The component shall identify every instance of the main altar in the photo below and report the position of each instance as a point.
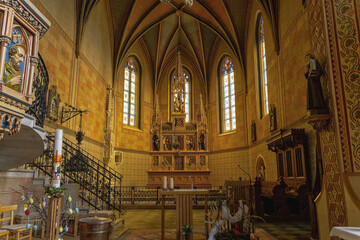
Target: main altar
(179, 149)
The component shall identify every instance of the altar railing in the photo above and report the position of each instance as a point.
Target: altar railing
(143, 195)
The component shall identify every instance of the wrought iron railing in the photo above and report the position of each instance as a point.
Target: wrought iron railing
(40, 87)
(141, 195)
(100, 185)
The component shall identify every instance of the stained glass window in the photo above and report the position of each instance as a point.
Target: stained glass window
(263, 83)
(228, 95)
(130, 93)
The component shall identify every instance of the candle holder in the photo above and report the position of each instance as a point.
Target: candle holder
(171, 188)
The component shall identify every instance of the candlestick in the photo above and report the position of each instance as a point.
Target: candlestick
(164, 182)
(171, 183)
(56, 178)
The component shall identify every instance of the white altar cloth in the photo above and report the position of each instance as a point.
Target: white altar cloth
(347, 233)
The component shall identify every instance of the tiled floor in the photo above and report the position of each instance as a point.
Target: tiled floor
(151, 219)
(288, 230)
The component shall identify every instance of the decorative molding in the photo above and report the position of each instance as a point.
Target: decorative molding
(9, 123)
(34, 61)
(5, 39)
(27, 15)
(13, 102)
(319, 122)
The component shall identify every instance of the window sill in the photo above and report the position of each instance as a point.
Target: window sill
(226, 133)
(132, 128)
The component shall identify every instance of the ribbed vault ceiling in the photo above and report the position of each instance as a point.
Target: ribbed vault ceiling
(167, 27)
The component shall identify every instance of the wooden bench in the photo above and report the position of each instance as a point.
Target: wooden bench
(16, 231)
(280, 198)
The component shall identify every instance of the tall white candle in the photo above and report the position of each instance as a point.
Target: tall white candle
(171, 183)
(164, 182)
(57, 158)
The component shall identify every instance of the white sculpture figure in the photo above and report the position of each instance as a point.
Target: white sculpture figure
(215, 229)
(243, 210)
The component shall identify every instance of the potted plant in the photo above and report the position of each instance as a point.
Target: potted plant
(187, 230)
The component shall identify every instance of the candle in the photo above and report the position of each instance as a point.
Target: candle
(57, 158)
(171, 183)
(164, 182)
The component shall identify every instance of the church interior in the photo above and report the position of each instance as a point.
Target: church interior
(179, 119)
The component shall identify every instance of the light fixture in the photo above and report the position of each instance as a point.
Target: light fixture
(187, 2)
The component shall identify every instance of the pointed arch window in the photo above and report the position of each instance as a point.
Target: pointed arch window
(227, 96)
(131, 93)
(262, 69)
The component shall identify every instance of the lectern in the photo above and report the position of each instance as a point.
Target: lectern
(184, 209)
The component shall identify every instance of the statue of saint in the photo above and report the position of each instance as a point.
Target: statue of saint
(156, 142)
(315, 98)
(202, 141)
(12, 74)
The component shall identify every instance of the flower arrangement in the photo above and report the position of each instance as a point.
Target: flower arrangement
(54, 192)
(186, 230)
(225, 226)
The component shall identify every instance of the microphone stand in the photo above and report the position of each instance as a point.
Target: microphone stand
(250, 192)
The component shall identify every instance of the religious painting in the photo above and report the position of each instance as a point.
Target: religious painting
(15, 60)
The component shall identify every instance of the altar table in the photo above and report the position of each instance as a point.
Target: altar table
(346, 233)
(184, 209)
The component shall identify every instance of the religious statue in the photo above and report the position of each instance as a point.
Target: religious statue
(178, 104)
(190, 143)
(156, 142)
(315, 98)
(272, 118)
(261, 169)
(202, 142)
(53, 103)
(13, 73)
(167, 143)
(253, 131)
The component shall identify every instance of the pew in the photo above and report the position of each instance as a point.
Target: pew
(281, 198)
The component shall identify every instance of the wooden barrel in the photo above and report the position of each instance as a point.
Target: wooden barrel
(94, 228)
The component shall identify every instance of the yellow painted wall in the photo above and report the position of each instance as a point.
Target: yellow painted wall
(84, 77)
(127, 137)
(286, 90)
(225, 141)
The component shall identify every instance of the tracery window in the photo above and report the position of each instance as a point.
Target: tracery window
(227, 96)
(262, 70)
(131, 92)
